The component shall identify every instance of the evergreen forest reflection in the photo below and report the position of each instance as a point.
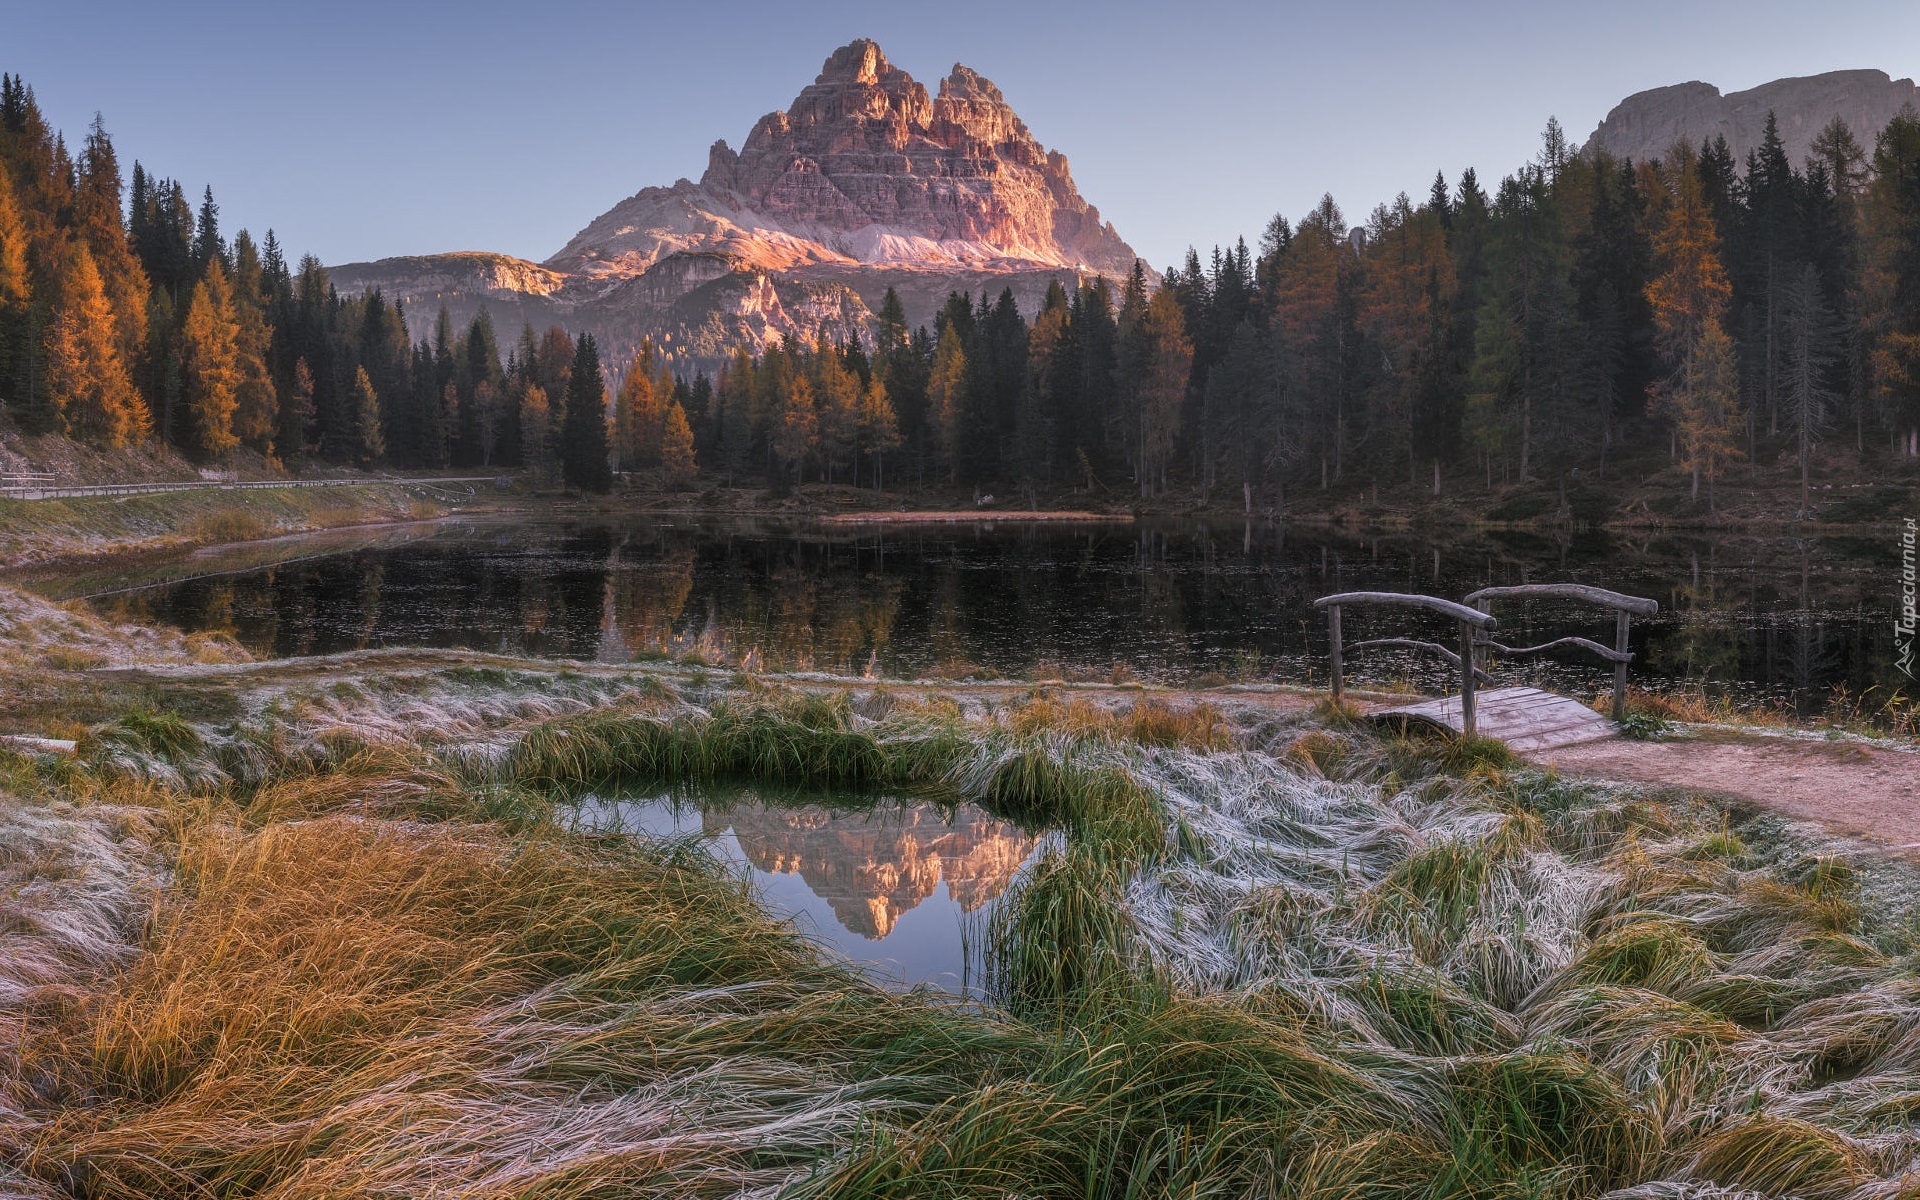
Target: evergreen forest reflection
(1765, 619)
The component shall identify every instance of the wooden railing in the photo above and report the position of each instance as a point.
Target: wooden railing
(22, 481)
(1624, 609)
(1473, 622)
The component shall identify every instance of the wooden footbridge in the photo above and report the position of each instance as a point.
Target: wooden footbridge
(1523, 717)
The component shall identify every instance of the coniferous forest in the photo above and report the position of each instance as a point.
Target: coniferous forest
(1698, 312)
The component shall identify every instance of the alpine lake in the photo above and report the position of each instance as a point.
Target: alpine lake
(905, 886)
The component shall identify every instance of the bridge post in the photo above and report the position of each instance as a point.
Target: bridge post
(1333, 637)
(1620, 619)
(1467, 652)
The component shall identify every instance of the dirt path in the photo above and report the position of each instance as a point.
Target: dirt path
(1852, 789)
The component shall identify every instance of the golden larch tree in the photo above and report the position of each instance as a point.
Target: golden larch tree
(255, 402)
(210, 363)
(947, 397)
(88, 387)
(640, 410)
(879, 427)
(677, 463)
(796, 423)
(1169, 364)
(836, 391)
(1689, 299)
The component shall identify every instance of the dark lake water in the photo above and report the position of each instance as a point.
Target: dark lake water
(1767, 618)
(904, 889)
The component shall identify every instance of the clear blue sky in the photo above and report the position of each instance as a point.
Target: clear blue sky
(361, 130)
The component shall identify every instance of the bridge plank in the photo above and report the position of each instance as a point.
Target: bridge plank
(1525, 718)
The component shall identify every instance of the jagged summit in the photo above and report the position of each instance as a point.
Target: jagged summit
(865, 181)
(865, 167)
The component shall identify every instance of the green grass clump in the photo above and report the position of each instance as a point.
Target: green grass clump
(1643, 726)
(1063, 935)
(1780, 1156)
(805, 740)
(1645, 950)
(165, 734)
(1545, 1114)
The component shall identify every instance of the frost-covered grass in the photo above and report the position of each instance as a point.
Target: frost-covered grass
(35, 531)
(338, 944)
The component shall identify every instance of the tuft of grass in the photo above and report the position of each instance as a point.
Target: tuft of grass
(1779, 1156)
(225, 525)
(1642, 726)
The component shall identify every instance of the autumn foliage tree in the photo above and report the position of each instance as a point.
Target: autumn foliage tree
(210, 360)
(90, 393)
(1689, 300)
(364, 402)
(677, 463)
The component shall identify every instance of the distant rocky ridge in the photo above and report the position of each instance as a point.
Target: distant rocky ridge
(865, 182)
(1646, 124)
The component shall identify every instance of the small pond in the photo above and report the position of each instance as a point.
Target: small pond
(904, 889)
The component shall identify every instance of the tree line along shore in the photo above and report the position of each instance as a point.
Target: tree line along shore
(1585, 322)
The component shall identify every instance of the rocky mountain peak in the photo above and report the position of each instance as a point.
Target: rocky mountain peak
(965, 83)
(864, 182)
(859, 61)
(1646, 124)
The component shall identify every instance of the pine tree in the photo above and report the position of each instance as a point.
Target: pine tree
(1835, 148)
(295, 418)
(891, 325)
(208, 246)
(1169, 365)
(430, 420)
(209, 357)
(1810, 352)
(88, 389)
(583, 447)
(1890, 290)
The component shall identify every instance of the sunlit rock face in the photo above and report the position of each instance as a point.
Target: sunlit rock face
(866, 168)
(871, 868)
(1646, 124)
(866, 181)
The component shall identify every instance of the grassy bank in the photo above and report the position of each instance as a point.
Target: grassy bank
(40, 531)
(329, 933)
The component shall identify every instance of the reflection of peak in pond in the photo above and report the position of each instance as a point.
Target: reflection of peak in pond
(870, 867)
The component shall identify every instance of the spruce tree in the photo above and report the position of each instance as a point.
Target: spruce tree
(208, 245)
(583, 447)
(295, 417)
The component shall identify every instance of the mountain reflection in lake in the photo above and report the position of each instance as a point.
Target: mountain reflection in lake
(1766, 618)
(902, 888)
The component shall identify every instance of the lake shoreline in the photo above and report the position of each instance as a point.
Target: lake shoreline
(322, 845)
